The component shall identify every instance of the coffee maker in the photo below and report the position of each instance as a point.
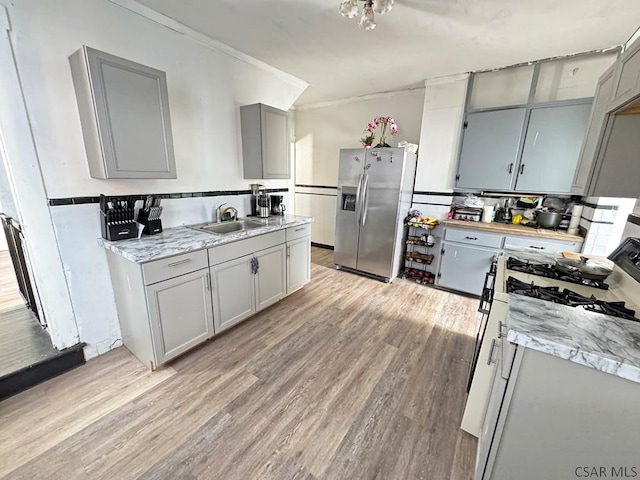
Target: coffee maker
(277, 207)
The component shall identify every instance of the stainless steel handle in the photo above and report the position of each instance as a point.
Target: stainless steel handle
(181, 262)
(358, 198)
(511, 167)
(207, 280)
(365, 198)
(288, 251)
(471, 238)
(502, 327)
(493, 346)
(299, 229)
(536, 248)
(521, 169)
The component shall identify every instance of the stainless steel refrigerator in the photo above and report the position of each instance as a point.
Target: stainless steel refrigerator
(375, 186)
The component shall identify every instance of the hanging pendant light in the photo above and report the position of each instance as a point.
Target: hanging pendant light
(367, 19)
(349, 9)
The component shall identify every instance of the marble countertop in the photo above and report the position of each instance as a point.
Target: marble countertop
(608, 344)
(510, 229)
(176, 240)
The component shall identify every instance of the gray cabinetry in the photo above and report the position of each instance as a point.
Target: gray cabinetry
(298, 263)
(180, 313)
(551, 148)
(233, 292)
(271, 276)
(265, 142)
(592, 138)
(627, 78)
(124, 112)
(463, 267)
(490, 146)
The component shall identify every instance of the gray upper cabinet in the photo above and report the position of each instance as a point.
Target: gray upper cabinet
(626, 78)
(124, 111)
(489, 154)
(594, 133)
(265, 142)
(551, 148)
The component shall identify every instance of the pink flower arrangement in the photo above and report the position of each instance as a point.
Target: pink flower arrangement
(370, 132)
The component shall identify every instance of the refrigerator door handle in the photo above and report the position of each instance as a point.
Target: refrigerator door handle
(358, 199)
(365, 198)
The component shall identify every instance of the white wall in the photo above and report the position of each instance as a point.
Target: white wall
(206, 88)
(322, 130)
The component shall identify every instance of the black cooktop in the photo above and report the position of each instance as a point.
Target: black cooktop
(550, 271)
(570, 298)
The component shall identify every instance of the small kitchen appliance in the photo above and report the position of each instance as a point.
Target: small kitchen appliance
(277, 207)
(503, 214)
(264, 205)
(467, 213)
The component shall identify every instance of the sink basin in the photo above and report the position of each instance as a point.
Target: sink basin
(227, 228)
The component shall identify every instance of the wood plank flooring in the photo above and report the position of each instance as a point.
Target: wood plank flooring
(10, 297)
(348, 378)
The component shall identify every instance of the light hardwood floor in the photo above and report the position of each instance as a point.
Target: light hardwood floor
(347, 378)
(10, 297)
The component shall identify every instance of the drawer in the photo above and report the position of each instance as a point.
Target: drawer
(247, 246)
(473, 237)
(542, 244)
(298, 232)
(170, 267)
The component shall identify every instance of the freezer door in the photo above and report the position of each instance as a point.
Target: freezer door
(350, 177)
(380, 210)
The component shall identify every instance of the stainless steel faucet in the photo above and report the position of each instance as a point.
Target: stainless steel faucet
(219, 213)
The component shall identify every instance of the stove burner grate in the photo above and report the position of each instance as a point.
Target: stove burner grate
(570, 298)
(550, 271)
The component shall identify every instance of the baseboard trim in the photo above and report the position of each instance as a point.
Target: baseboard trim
(32, 375)
(322, 245)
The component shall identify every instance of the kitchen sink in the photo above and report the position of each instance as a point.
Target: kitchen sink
(227, 228)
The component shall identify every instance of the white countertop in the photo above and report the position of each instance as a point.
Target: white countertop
(603, 342)
(176, 240)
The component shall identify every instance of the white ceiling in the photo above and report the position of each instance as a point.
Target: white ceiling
(418, 39)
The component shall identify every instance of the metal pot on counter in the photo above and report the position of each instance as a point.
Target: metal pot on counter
(548, 218)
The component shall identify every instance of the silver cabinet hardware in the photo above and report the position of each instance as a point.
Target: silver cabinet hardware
(493, 346)
(181, 262)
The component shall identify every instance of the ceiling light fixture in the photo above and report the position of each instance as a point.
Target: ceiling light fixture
(349, 9)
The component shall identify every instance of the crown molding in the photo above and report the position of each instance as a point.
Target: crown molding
(206, 41)
(430, 82)
(362, 98)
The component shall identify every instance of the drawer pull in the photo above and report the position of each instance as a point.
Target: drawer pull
(493, 346)
(471, 238)
(181, 262)
(536, 248)
(299, 229)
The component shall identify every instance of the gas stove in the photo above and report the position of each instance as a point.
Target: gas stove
(549, 270)
(564, 296)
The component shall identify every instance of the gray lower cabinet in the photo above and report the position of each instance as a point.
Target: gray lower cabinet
(271, 277)
(265, 142)
(180, 314)
(298, 263)
(489, 155)
(124, 113)
(463, 267)
(552, 148)
(233, 292)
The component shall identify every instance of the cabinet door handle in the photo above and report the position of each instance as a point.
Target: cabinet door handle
(207, 280)
(536, 248)
(181, 262)
(521, 169)
(493, 345)
(511, 167)
(471, 238)
(502, 327)
(288, 251)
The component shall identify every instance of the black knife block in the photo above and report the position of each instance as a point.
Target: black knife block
(151, 227)
(118, 230)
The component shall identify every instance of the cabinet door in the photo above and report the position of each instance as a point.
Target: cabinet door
(626, 77)
(271, 277)
(233, 292)
(298, 263)
(463, 268)
(490, 146)
(181, 314)
(275, 143)
(131, 117)
(593, 136)
(551, 148)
